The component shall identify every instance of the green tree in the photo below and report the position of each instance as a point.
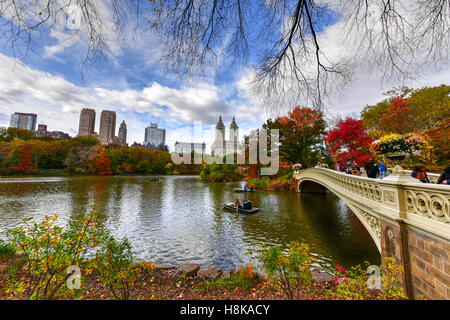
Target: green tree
(301, 134)
(429, 106)
(9, 134)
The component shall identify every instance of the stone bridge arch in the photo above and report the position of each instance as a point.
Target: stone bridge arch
(407, 221)
(370, 221)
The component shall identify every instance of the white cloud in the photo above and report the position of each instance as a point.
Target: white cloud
(58, 103)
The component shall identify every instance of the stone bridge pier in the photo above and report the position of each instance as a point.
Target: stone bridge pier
(407, 221)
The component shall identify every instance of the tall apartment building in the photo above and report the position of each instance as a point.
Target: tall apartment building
(155, 136)
(123, 134)
(87, 122)
(25, 121)
(107, 127)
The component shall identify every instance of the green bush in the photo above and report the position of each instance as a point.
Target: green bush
(353, 284)
(289, 272)
(7, 250)
(244, 279)
(114, 263)
(49, 251)
(220, 173)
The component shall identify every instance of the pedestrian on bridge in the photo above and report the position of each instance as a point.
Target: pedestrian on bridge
(445, 177)
(371, 169)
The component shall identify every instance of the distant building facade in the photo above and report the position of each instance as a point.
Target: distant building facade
(188, 147)
(155, 136)
(221, 146)
(123, 134)
(43, 132)
(26, 121)
(148, 146)
(107, 127)
(87, 122)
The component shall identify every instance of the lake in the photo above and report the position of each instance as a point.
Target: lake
(180, 219)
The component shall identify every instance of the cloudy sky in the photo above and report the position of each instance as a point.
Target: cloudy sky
(133, 83)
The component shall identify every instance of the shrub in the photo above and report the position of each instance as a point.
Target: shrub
(390, 281)
(48, 252)
(114, 262)
(7, 250)
(289, 272)
(353, 284)
(243, 279)
(220, 173)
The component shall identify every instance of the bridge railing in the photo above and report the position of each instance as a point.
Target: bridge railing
(434, 177)
(424, 206)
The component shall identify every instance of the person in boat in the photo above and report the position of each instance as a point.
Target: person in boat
(237, 204)
(251, 189)
(245, 188)
(248, 205)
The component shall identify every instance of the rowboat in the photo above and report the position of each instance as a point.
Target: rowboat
(231, 207)
(242, 190)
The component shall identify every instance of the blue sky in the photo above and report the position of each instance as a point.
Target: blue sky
(134, 84)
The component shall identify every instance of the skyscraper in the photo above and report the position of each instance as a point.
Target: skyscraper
(87, 122)
(123, 134)
(25, 121)
(107, 127)
(155, 136)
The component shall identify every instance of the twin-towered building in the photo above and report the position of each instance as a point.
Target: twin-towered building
(107, 133)
(221, 146)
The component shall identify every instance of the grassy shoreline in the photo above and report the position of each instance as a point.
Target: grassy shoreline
(161, 284)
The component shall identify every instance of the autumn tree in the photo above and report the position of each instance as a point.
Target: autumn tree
(349, 142)
(102, 164)
(9, 134)
(398, 119)
(24, 158)
(81, 157)
(301, 134)
(428, 106)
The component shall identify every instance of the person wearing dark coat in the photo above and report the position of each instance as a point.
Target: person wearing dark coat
(445, 177)
(371, 169)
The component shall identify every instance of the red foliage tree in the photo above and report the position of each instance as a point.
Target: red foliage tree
(349, 142)
(398, 119)
(24, 159)
(103, 164)
(301, 135)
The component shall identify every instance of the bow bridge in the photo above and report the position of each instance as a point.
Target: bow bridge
(407, 220)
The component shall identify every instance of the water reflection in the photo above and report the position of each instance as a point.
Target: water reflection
(181, 220)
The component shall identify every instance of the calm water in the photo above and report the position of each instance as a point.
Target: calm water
(180, 219)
